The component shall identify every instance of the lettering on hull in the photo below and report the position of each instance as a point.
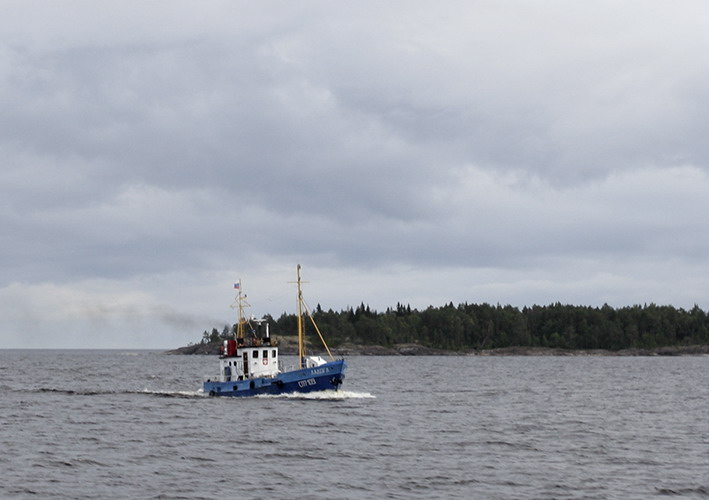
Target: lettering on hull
(306, 383)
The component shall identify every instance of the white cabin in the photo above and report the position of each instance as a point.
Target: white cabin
(248, 362)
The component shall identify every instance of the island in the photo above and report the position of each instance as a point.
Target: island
(485, 329)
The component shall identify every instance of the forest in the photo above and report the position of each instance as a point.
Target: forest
(486, 326)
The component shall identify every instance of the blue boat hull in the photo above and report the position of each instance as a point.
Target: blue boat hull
(328, 376)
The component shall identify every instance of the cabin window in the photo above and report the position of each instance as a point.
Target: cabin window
(265, 353)
(273, 354)
(254, 354)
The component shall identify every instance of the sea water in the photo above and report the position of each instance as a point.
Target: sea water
(134, 424)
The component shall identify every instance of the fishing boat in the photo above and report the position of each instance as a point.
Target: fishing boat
(249, 364)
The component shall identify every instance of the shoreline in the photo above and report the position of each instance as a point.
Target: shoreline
(288, 348)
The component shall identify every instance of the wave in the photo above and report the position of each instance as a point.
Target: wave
(700, 490)
(70, 392)
(169, 394)
(199, 393)
(316, 395)
(320, 395)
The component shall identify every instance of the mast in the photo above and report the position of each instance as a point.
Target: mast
(240, 304)
(301, 330)
(301, 335)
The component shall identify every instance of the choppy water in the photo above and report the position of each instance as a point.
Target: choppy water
(111, 424)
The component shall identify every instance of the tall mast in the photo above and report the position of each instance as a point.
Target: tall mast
(301, 336)
(301, 331)
(240, 304)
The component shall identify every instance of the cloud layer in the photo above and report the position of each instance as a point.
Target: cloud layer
(485, 152)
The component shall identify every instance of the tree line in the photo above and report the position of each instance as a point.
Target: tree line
(485, 326)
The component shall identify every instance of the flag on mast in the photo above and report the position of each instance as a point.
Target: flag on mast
(237, 286)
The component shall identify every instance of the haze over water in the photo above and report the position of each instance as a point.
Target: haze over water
(119, 424)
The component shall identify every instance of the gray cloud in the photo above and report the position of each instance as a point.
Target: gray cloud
(510, 152)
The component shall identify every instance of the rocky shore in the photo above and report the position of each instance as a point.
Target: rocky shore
(289, 346)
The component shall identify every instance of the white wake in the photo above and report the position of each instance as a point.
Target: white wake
(321, 395)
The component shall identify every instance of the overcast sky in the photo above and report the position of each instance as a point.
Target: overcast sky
(512, 152)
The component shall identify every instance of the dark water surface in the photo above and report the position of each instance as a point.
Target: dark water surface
(133, 424)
